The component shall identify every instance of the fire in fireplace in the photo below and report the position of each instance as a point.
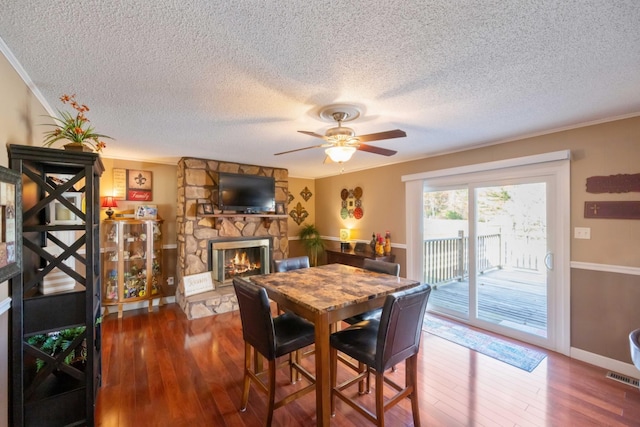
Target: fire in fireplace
(241, 264)
(238, 257)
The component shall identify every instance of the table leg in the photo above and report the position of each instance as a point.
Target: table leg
(323, 368)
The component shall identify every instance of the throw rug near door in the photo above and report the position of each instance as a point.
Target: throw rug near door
(504, 351)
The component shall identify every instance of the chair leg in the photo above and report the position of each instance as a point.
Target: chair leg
(380, 399)
(247, 380)
(271, 391)
(363, 386)
(411, 378)
(334, 375)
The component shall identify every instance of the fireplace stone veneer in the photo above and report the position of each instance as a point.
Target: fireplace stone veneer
(197, 180)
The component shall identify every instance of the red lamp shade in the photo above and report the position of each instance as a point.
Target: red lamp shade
(109, 202)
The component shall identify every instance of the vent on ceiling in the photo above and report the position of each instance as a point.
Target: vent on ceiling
(623, 379)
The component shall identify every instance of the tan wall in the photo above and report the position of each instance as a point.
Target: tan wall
(21, 117)
(165, 191)
(605, 149)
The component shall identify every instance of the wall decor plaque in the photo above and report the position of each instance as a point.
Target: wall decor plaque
(612, 210)
(620, 183)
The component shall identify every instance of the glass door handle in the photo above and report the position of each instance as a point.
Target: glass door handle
(548, 261)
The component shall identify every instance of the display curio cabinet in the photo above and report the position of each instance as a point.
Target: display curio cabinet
(56, 314)
(131, 262)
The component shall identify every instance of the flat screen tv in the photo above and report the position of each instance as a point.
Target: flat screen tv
(246, 193)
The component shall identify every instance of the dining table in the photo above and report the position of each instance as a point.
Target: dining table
(325, 295)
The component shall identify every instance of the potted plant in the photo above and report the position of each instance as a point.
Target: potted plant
(54, 343)
(312, 242)
(74, 128)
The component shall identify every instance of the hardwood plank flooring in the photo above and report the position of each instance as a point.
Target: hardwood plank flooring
(160, 369)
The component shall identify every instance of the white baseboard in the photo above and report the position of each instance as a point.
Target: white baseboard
(140, 304)
(627, 369)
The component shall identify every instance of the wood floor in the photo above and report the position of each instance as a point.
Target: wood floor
(159, 369)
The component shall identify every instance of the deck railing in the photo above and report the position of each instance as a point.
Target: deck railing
(446, 260)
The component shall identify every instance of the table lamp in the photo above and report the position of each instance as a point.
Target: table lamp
(344, 239)
(109, 202)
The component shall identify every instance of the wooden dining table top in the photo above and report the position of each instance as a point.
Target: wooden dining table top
(331, 287)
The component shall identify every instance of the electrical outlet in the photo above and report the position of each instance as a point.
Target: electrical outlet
(582, 233)
(170, 281)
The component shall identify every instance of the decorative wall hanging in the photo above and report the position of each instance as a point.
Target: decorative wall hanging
(306, 194)
(298, 213)
(612, 210)
(620, 183)
(119, 184)
(290, 198)
(139, 185)
(351, 203)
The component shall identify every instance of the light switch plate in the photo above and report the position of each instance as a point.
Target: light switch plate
(582, 233)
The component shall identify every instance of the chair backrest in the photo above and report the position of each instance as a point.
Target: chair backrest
(381, 266)
(401, 326)
(295, 263)
(255, 313)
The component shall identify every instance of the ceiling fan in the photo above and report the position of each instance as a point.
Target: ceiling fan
(341, 141)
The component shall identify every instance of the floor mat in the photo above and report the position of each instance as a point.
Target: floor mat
(505, 351)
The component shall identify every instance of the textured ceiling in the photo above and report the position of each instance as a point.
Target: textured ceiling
(236, 80)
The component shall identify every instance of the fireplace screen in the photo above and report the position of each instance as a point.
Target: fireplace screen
(241, 258)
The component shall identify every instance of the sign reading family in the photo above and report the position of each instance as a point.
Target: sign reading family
(132, 184)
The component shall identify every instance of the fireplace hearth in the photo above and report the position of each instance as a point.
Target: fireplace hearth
(239, 257)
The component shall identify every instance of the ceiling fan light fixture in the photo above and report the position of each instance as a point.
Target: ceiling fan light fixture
(340, 153)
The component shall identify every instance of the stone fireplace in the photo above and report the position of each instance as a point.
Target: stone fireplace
(197, 233)
(242, 257)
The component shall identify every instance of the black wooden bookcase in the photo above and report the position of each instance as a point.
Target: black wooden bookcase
(57, 393)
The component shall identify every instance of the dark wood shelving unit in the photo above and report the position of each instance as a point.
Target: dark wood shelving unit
(57, 393)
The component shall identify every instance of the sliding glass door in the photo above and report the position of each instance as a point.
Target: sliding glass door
(487, 253)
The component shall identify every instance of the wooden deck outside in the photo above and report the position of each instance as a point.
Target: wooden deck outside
(514, 298)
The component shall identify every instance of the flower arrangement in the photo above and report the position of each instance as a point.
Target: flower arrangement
(74, 128)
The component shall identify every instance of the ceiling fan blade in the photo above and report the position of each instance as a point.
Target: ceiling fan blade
(312, 134)
(376, 150)
(396, 133)
(299, 149)
(327, 159)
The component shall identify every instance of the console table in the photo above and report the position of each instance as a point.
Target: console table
(353, 258)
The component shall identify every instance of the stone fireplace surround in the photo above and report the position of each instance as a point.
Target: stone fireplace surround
(197, 181)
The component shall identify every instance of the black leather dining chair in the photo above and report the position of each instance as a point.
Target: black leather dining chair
(287, 264)
(380, 344)
(385, 267)
(272, 337)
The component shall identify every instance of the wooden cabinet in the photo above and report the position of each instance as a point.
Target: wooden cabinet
(57, 295)
(131, 262)
(353, 258)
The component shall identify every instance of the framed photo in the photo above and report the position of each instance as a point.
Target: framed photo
(280, 209)
(10, 224)
(59, 213)
(207, 208)
(139, 185)
(146, 212)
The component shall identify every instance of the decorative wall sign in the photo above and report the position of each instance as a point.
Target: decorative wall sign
(620, 183)
(119, 184)
(139, 185)
(612, 210)
(298, 213)
(351, 203)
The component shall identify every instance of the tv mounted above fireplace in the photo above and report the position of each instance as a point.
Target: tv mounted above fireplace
(246, 193)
